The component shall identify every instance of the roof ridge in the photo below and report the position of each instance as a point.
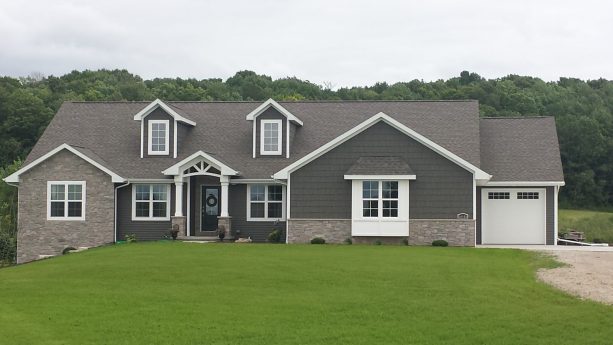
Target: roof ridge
(517, 117)
(306, 101)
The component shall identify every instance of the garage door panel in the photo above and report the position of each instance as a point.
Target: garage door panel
(513, 216)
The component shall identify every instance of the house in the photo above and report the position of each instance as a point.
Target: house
(366, 170)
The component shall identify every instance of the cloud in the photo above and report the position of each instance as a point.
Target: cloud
(344, 42)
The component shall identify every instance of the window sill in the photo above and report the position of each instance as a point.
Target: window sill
(147, 219)
(266, 219)
(67, 219)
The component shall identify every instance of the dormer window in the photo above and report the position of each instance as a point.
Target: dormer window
(158, 137)
(270, 137)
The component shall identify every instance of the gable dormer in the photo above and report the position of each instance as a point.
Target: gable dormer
(273, 128)
(158, 129)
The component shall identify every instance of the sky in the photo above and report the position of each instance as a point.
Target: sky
(340, 43)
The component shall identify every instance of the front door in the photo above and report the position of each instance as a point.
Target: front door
(210, 208)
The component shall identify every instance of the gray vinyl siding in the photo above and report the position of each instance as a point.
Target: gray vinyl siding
(271, 114)
(549, 213)
(159, 114)
(258, 231)
(441, 191)
(144, 230)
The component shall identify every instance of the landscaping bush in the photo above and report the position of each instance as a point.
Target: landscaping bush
(318, 240)
(348, 240)
(67, 250)
(405, 241)
(130, 238)
(275, 236)
(439, 243)
(378, 243)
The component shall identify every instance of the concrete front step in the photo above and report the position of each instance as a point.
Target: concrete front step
(204, 238)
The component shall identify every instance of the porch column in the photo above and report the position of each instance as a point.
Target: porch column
(178, 197)
(225, 182)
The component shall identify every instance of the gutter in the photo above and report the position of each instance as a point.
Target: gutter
(115, 221)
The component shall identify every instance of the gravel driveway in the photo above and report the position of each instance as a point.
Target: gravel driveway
(589, 274)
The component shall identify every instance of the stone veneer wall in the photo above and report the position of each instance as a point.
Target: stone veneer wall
(332, 230)
(38, 236)
(457, 232)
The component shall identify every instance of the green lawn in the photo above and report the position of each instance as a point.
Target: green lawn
(180, 293)
(596, 225)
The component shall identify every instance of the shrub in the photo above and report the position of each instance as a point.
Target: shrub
(597, 240)
(378, 243)
(439, 243)
(131, 238)
(348, 240)
(405, 241)
(67, 250)
(274, 236)
(318, 240)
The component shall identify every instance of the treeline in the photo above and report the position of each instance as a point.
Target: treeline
(583, 112)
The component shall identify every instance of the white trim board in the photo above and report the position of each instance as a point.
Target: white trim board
(380, 177)
(14, 177)
(271, 103)
(175, 169)
(159, 104)
(523, 183)
(478, 173)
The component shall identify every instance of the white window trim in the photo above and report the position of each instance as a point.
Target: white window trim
(66, 183)
(145, 219)
(279, 137)
(380, 200)
(265, 202)
(166, 139)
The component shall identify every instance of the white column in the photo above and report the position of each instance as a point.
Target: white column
(225, 182)
(179, 198)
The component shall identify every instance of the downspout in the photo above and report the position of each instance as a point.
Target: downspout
(287, 204)
(116, 188)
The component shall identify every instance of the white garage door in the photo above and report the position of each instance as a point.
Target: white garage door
(513, 216)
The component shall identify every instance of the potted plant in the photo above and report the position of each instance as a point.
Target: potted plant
(221, 232)
(175, 231)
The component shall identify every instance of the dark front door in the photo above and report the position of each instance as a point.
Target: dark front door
(210, 207)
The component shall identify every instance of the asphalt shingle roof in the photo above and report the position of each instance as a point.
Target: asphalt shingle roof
(380, 166)
(108, 132)
(521, 149)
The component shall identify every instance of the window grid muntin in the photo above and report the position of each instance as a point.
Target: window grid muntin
(65, 200)
(151, 201)
(271, 137)
(380, 199)
(159, 132)
(528, 195)
(262, 202)
(498, 195)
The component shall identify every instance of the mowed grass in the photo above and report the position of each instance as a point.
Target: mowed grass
(596, 225)
(187, 293)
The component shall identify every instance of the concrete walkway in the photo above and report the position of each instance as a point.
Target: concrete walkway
(551, 248)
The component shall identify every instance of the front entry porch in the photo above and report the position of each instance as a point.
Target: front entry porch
(201, 184)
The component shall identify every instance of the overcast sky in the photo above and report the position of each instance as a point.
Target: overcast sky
(341, 42)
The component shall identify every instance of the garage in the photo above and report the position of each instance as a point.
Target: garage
(513, 216)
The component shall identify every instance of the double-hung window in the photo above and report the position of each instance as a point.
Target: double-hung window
(66, 200)
(265, 202)
(159, 137)
(150, 202)
(270, 137)
(380, 199)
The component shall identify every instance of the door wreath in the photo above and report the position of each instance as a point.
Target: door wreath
(211, 201)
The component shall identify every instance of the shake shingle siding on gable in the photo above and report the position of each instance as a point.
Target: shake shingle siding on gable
(441, 190)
